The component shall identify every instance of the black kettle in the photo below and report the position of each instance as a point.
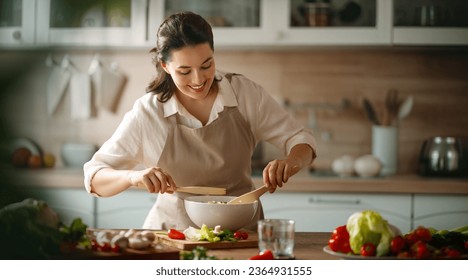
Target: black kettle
(443, 157)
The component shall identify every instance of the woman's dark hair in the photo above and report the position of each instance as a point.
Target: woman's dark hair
(177, 31)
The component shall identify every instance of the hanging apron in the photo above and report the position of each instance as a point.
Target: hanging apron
(218, 154)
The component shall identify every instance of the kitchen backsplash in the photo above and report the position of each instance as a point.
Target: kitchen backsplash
(324, 90)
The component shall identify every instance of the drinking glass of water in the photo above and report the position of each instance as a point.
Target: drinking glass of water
(277, 235)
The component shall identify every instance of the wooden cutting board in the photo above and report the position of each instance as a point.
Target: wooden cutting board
(156, 251)
(250, 242)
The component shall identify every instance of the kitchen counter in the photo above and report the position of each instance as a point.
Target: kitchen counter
(308, 246)
(301, 182)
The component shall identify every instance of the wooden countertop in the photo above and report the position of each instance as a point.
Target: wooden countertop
(308, 246)
(301, 182)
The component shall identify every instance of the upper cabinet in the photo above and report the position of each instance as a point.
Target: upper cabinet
(91, 22)
(237, 23)
(17, 21)
(430, 22)
(287, 22)
(336, 22)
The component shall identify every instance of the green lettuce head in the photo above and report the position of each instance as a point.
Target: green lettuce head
(369, 227)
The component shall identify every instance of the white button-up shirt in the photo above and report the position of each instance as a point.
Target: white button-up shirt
(140, 138)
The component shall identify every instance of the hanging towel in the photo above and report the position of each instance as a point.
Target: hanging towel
(80, 96)
(57, 83)
(112, 84)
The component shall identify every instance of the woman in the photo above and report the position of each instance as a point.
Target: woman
(196, 126)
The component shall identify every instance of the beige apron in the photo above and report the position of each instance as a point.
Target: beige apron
(218, 154)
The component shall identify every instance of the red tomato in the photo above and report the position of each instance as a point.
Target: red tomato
(423, 233)
(106, 247)
(397, 244)
(411, 238)
(115, 248)
(339, 241)
(451, 253)
(175, 234)
(266, 255)
(94, 245)
(241, 235)
(420, 250)
(404, 255)
(368, 250)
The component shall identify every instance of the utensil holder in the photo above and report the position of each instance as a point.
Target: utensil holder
(385, 147)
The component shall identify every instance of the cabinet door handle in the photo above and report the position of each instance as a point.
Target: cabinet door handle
(333, 201)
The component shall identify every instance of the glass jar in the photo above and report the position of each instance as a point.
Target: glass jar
(318, 13)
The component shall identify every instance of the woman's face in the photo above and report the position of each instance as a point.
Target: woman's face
(192, 69)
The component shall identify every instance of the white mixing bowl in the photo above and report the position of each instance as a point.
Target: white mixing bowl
(228, 216)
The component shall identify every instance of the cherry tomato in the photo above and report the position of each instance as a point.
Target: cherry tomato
(265, 255)
(106, 247)
(175, 234)
(368, 250)
(94, 245)
(397, 244)
(420, 250)
(115, 248)
(423, 233)
(404, 255)
(241, 235)
(411, 238)
(451, 253)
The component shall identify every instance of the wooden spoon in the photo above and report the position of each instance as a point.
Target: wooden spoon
(250, 196)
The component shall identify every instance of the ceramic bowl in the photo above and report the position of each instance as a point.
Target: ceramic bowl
(228, 216)
(77, 154)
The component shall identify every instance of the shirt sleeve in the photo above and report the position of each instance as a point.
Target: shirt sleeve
(269, 121)
(121, 151)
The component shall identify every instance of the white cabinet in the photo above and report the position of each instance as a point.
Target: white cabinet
(440, 211)
(68, 203)
(97, 23)
(275, 24)
(125, 210)
(324, 212)
(371, 24)
(17, 22)
(236, 23)
(435, 22)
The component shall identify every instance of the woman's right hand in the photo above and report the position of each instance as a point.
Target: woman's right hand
(154, 179)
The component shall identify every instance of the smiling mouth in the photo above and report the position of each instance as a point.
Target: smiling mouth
(197, 88)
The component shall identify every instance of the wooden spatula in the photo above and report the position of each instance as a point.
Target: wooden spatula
(250, 196)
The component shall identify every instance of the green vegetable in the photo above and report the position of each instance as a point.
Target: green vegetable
(208, 235)
(369, 227)
(30, 229)
(199, 253)
(75, 234)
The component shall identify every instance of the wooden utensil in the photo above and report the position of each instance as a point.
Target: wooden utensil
(250, 196)
(392, 105)
(198, 190)
(370, 111)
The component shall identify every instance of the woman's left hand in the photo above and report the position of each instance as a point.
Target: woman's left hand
(278, 172)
